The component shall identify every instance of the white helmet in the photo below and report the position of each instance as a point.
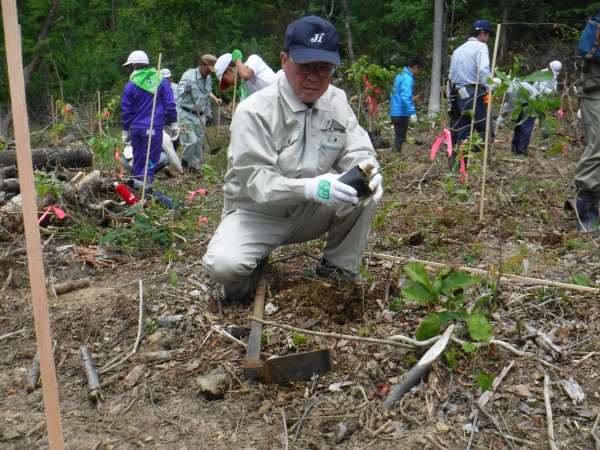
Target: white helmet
(137, 57)
(166, 73)
(222, 64)
(555, 66)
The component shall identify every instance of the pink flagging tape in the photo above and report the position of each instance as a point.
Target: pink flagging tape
(191, 195)
(60, 214)
(443, 138)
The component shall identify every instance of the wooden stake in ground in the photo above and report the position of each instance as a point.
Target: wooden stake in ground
(150, 133)
(235, 75)
(12, 36)
(488, 121)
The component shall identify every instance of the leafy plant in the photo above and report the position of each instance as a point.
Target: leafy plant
(47, 183)
(298, 340)
(485, 381)
(445, 294)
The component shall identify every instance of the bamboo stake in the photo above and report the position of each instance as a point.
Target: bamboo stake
(488, 126)
(12, 36)
(150, 132)
(100, 130)
(235, 75)
(504, 277)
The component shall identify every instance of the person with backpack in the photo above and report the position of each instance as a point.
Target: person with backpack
(402, 107)
(587, 171)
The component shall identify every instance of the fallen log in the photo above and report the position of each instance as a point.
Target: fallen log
(94, 392)
(51, 158)
(8, 172)
(418, 372)
(68, 286)
(33, 377)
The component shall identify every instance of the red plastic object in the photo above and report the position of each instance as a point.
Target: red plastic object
(125, 193)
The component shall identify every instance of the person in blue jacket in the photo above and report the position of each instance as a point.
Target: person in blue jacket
(402, 107)
(136, 105)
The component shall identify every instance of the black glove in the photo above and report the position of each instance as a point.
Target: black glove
(187, 89)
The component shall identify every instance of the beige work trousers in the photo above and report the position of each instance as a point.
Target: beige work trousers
(245, 237)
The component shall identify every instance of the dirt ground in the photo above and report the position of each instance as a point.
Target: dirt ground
(425, 214)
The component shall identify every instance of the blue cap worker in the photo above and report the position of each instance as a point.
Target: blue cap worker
(402, 107)
(193, 107)
(290, 144)
(469, 72)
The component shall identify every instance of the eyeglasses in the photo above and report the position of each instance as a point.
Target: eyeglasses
(321, 69)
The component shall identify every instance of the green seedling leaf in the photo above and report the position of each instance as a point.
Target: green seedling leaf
(581, 279)
(451, 357)
(468, 347)
(429, 327)
(173, 278)
(298, 339)
(447, 316)
(396, 304)
(458, 280)
(417, 292)
(485, 381)
(540, 75)
(479, 327)
(416, 272)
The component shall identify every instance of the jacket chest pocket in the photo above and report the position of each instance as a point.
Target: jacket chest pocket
(332, 144)
(289, 155)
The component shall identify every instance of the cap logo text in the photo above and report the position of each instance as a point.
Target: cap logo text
(317, 38)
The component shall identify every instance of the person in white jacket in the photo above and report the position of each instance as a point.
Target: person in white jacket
(290, 143)
(524, 127)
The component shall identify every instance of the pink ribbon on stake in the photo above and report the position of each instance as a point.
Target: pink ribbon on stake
(191, 195)
(462, 169)
(60, 214)
(443, 138)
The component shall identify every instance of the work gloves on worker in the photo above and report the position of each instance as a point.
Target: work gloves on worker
(187, 89)
(173, 131)
(236, 55)
(495, 84)
(327, 189)
(125, 138)
(412, 120)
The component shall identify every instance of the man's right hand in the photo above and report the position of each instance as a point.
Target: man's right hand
(328, 190)
(187, 89)
(125, 138)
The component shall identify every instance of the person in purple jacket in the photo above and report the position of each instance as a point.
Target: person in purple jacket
(136, 105)
(402, 107)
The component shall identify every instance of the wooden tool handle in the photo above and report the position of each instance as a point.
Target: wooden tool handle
(256, 327)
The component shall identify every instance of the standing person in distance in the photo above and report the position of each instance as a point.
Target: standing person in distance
(193, 107)
(402, 107)
(470, 68)
(144, 83)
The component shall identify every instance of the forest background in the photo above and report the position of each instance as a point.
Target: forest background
(75, 48)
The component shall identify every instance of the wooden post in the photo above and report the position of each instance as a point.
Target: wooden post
(235, 77)
(150, 132)
(488, 126)
(12, 36)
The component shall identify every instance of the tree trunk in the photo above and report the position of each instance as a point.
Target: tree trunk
(436, 66)
(503, 35)
(113, 16)
(348, 32)
(34, 64)
(50, 158)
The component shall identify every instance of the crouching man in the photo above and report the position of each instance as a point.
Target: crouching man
(289, 144)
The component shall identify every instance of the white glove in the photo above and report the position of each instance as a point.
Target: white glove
(500, 120)
(413, 119)
(173, 130)
(579, 114)
(328, 190)
(496, 83)
(375, 183)
(125, 137)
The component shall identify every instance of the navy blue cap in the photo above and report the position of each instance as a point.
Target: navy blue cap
(484, 25)
(312, 39)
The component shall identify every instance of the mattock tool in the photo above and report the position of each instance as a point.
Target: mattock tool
(279, 369)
